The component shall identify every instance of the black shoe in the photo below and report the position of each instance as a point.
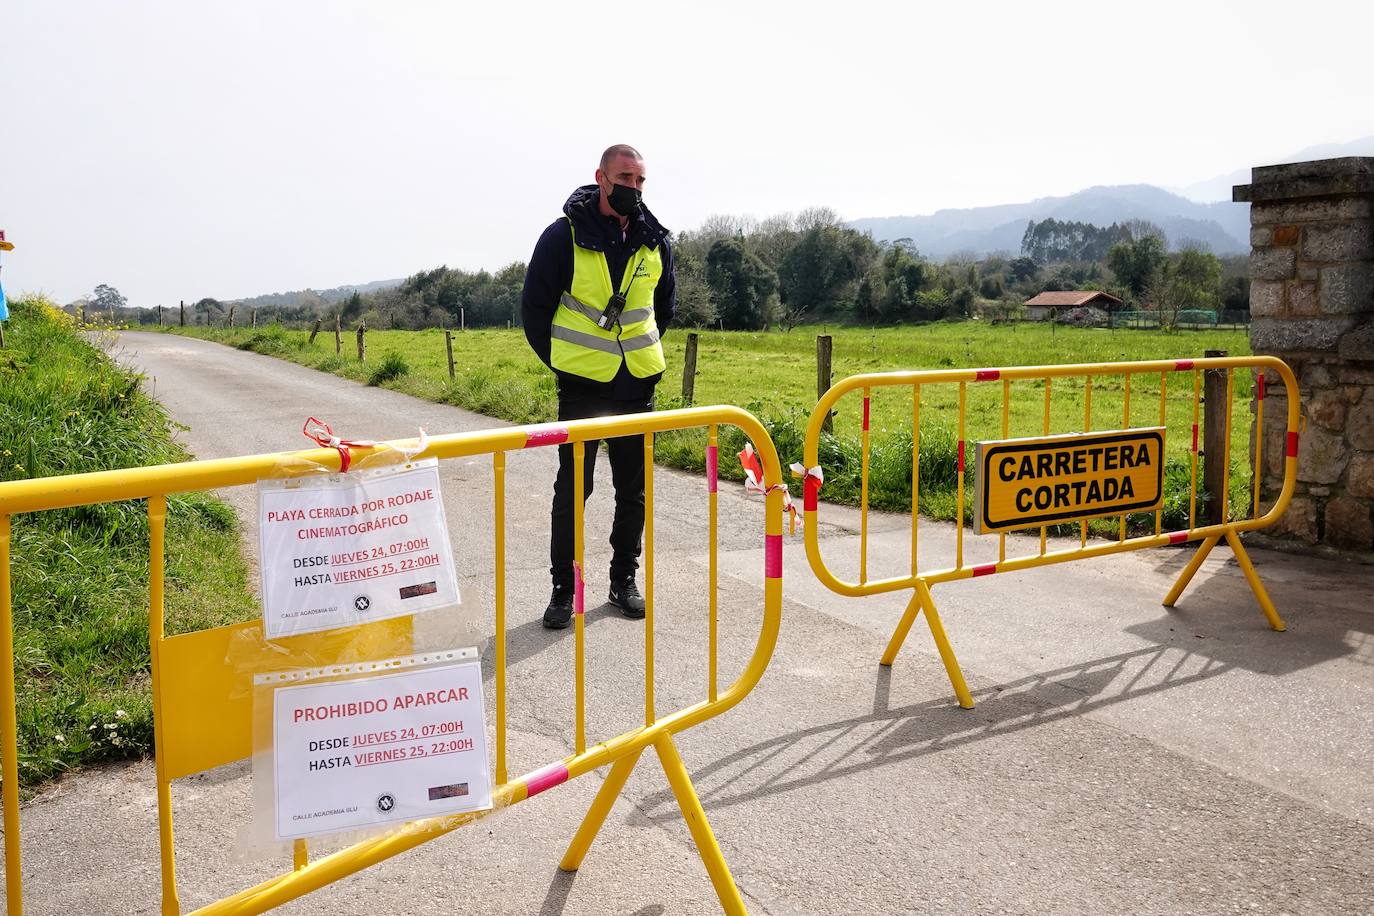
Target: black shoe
(559, 613)
(625, 595)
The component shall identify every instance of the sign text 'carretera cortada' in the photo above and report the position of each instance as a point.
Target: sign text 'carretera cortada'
(1023, 483)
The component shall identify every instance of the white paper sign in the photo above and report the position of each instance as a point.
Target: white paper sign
(350, 549)
(380, 749)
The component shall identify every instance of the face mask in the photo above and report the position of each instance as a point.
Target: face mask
(626, 200)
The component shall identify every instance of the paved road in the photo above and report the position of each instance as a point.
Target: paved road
(1122, 758)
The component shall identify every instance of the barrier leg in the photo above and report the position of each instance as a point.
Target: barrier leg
(730, 900)
(937, 630)
(1256, 585)
(894, 644)
(596, 814)
(1190, 570)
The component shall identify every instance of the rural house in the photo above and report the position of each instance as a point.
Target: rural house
(1050, 304)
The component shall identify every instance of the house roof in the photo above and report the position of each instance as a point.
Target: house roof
(1072, 298)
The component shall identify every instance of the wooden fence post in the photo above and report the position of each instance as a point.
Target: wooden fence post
(448, 345)
(824, 349)
(1214, 455)
(362, 345)
(159, 316)
(253, 317)
(315, 330)
(83, 314)
(229, 322)
(338, 336)
(689, 369)
(462, 318)
(183, 313)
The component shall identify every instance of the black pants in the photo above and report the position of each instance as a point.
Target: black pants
(627, 475)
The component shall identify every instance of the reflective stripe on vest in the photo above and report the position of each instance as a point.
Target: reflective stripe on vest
(625, 344)
(579, 346)
(629, 316)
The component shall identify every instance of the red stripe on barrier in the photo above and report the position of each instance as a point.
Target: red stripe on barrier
(865, 413)
(1261, 385)
(577, 589)
(546, 435)
(986, 569)
(1292, 445)
(811, 489)
(987, 375)
(1177, 537)
(1180, 364)
(545, 778)
(712, 468)
(961, 454)
(772, 556)
(1194, 437)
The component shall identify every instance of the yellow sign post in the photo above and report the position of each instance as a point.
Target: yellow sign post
(1024, 483)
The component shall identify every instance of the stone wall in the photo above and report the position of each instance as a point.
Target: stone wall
(1312, 304)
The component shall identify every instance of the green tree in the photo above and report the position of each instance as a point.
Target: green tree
(1138, 263)
(822, 270)
(107, 299)
(742, 286)
(694, 306)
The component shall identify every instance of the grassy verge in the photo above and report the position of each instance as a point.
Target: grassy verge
(773, 375)
(80, 576)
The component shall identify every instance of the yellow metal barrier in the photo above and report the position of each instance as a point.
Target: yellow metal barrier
(921, 581)
(202, 707)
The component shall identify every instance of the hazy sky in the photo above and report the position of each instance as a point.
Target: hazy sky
(181, 150)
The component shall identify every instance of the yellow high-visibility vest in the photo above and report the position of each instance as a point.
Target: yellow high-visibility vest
(580, 346)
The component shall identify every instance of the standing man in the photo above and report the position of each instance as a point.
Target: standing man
(599, 291)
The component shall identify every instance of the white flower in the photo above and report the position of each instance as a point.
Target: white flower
(121, 714)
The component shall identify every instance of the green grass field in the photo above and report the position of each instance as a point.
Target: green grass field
(774, 375)
(80, 576)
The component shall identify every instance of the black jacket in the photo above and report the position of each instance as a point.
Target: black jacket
(550, 272)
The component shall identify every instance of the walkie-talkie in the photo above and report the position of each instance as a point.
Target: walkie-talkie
(610, 315)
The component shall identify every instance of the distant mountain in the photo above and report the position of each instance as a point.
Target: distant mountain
(1219, 188)
(309, 297)
(1225, 227)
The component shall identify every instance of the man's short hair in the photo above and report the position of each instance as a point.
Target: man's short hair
(620, 149)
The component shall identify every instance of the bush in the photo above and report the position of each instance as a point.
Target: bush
(392, 367)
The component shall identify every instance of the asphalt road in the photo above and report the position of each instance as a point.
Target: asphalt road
(1123, 758)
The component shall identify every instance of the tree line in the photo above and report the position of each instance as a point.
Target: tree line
(740, 273)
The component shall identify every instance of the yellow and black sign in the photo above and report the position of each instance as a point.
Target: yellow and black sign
(1028, 482)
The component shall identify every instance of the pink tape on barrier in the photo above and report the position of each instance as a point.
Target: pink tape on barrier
(1261, 385)
(865, 413)
(1177, 537)
(772, 556)
(546, 435)
(1181, 364)
(1292, 451)
(577, 589)
(811, 489)
(985, 569)
(987, 375)
(545, 778)
(961, 454)
(712, 467)
(1195, 437)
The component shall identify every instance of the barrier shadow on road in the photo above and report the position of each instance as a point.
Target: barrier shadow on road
(560, 888)
(888, 736)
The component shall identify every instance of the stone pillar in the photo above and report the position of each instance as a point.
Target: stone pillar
(1312, 304)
